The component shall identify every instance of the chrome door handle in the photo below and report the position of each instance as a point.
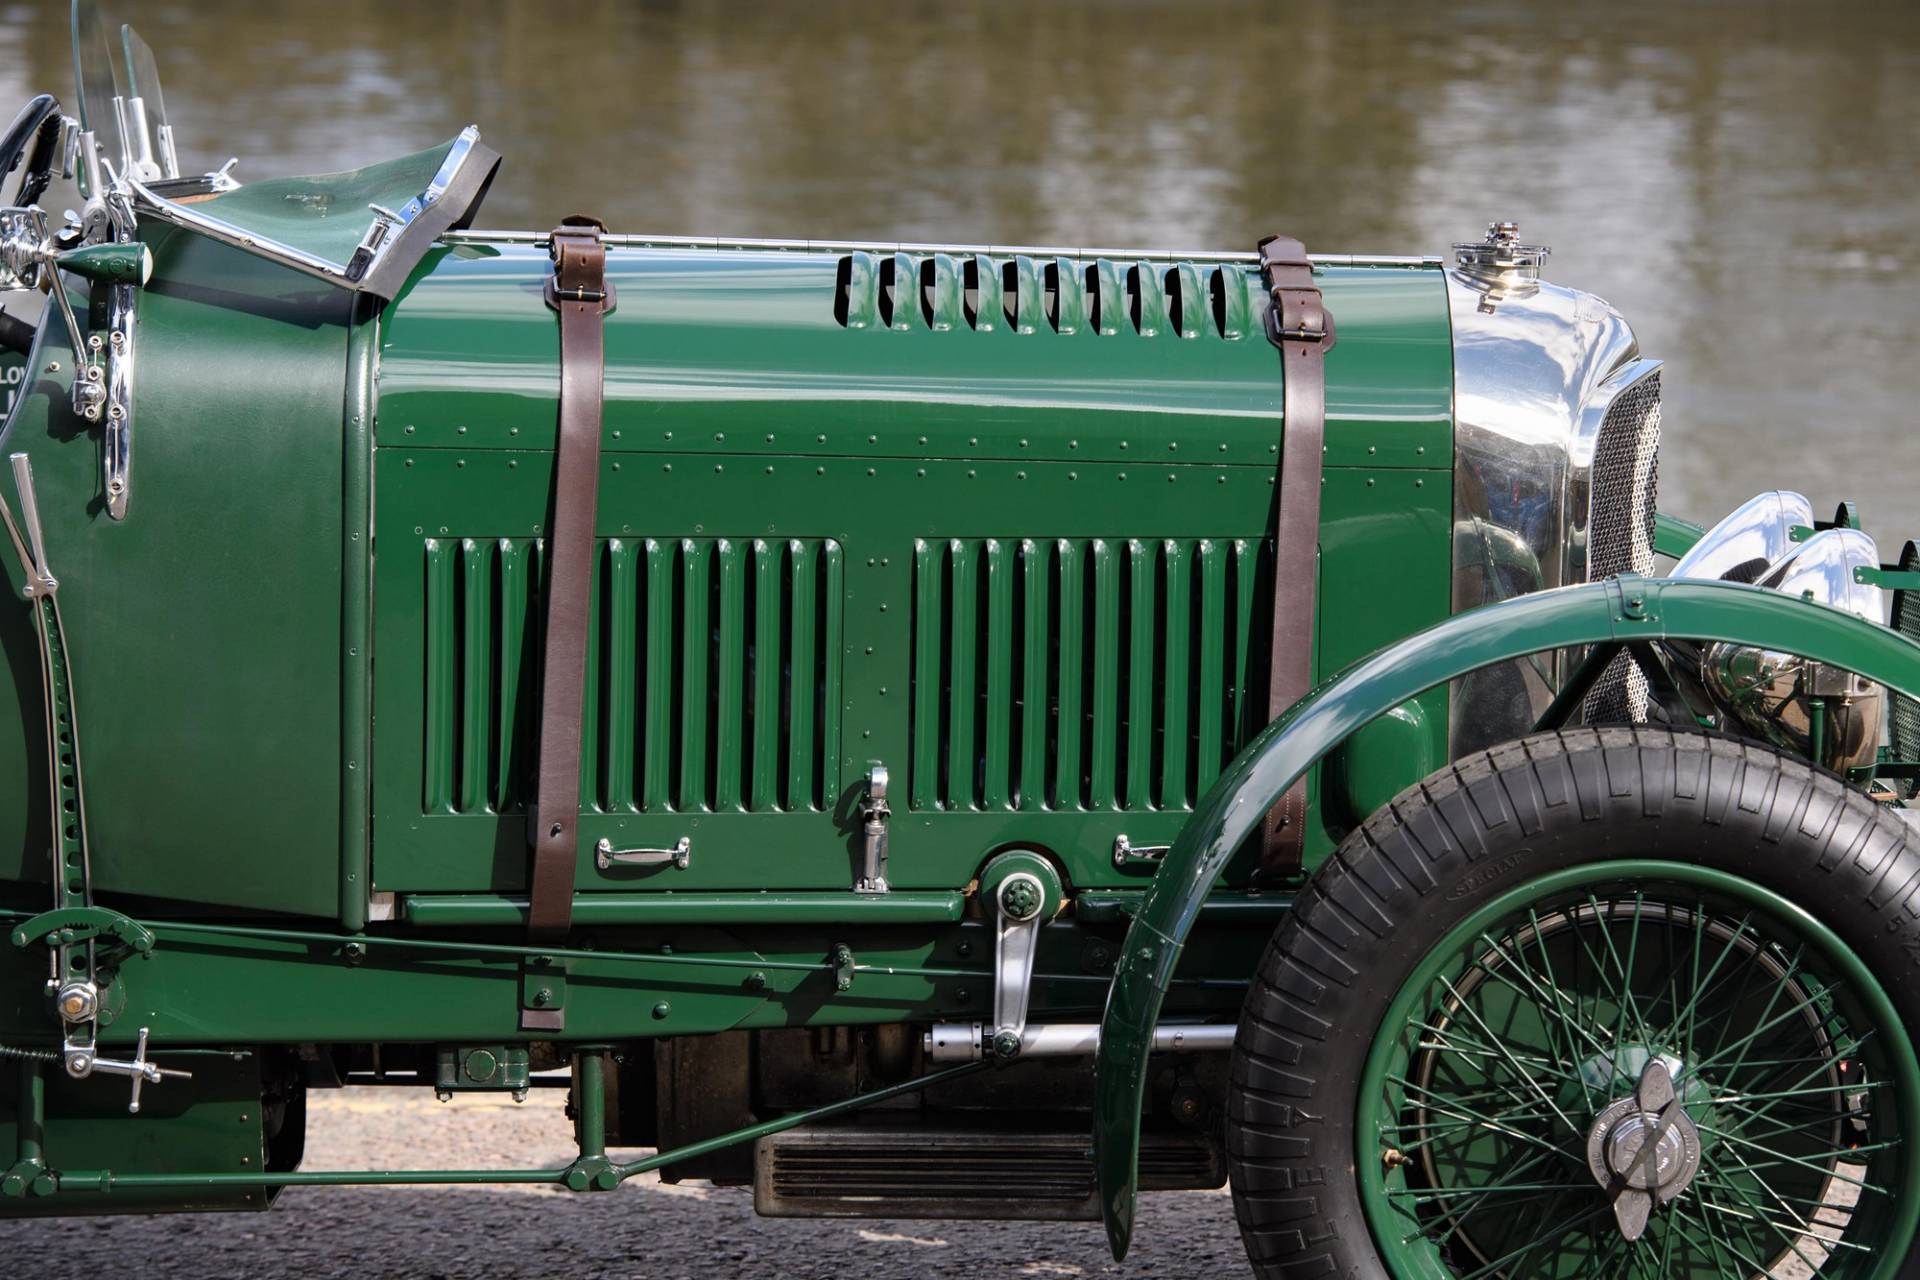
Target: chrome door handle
(606, 856)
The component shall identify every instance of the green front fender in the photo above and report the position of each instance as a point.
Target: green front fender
(1624, 609)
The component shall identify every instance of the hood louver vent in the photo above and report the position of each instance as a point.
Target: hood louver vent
(710, 680)
(1083, 673)
(939, 292)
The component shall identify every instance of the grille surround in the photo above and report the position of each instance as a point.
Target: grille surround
(1622, 499)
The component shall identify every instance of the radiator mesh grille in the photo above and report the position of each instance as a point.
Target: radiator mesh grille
(710, 679)
(1084, 673)
(1621, 505)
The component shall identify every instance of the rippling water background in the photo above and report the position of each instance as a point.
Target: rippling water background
(1741, 179)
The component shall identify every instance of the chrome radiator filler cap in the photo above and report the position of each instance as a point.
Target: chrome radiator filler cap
(1500, 255)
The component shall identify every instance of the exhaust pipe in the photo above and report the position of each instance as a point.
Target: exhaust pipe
(967, 1041)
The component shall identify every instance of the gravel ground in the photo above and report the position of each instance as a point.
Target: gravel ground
(645, 1229)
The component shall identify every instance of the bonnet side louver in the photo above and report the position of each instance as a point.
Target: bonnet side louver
(942, 292)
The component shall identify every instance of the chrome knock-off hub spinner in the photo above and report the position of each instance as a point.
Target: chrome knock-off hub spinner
(1644, 1149)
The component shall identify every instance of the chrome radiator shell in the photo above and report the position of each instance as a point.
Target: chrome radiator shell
(1556, 435)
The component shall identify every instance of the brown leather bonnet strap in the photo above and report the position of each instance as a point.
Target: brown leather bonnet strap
(1301, 327)
(579, 292)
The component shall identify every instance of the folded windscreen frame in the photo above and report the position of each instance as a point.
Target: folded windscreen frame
(363, 230)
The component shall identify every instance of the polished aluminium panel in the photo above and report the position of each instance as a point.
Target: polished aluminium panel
(1536, 368)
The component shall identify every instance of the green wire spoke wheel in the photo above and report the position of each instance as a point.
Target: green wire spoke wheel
(1503, 1089)
(1623, 1003)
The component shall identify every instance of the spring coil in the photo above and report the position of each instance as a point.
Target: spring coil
(28, 1055)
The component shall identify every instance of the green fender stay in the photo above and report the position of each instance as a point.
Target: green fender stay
(1673, 536)
(1624, 609)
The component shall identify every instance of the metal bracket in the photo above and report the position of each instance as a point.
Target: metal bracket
(873, 865)
(116, 440)
(842, 967)
(77, 1050)
(1128, 855)
(543, 994)
(1017, 904)
(389, 223)
(102, 390)
(70, 925)
(605, 856)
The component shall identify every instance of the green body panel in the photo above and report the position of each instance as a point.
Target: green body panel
(294, 987)
(898, 509)
(1618, 610)
(211, 1122)
(858, 536)
(13, 377)
(205, 627)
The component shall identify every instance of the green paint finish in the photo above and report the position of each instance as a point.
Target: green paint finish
(1488, 1125)
(210, 1122)
(356, 622)
(680, 907)
(870, 570)
(1673, 536)
(205, 628)
(1385, 569)
(926, 492)
(289, 987)
(110, 263)
(1618, 610)
(714, 351)
(327, 214)
(1368, 765)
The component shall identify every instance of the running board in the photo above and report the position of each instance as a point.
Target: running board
(852, 1172)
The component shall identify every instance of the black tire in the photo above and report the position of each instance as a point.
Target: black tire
(1479, 829)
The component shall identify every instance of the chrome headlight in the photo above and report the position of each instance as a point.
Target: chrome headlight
(1808, 707)
(1750, 541)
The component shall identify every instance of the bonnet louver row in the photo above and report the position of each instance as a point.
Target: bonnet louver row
(710, 684)
(1084, 673)
(942, 291)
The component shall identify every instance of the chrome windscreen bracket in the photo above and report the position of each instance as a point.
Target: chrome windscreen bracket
(116, 440)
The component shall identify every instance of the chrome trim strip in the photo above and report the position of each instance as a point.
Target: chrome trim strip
(642, 241)
(116, 440)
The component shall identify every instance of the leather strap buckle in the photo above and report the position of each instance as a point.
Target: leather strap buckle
(555, 294)
(1312, 321)
(1297, 312)
(579, 266)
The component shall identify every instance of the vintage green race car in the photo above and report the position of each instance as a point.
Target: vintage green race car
(928, 731)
